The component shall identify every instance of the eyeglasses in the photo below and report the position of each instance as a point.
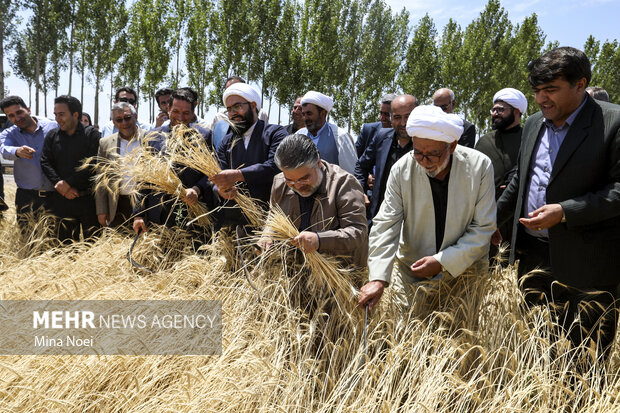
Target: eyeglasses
(236, 107)
(444, 107)
(499, 110)
(301, 181)
(125, 118)
(432, 157)
(127, 100)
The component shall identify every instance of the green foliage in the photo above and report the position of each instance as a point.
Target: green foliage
(353, 50)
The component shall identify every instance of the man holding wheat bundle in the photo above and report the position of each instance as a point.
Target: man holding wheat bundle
(413, 226)
(323, 201)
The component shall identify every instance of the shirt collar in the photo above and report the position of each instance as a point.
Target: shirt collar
(248, 132)
(320, 131)
(569, 121)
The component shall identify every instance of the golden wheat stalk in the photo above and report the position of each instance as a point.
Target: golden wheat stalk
(326, 272)
(188, 148)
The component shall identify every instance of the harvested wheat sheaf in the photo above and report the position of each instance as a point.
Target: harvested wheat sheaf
(468, 348)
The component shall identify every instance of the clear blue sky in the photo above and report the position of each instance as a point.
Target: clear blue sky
(570, 22)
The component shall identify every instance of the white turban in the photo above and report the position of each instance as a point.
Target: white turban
(245, 91)
(318, 99)
(513, 97)
(430, 122)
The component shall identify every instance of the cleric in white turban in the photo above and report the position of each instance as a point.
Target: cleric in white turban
(319, 99)
(245, 91)
(513, 97)
(438, 212)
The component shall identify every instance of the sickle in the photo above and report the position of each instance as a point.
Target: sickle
(131, 261)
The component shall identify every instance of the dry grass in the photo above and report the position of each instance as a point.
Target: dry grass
(472, 351)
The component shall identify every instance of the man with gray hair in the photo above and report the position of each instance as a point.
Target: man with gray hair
(325, 202)
(598, 93)
(114, 209)
(444, 98)
(369, 130)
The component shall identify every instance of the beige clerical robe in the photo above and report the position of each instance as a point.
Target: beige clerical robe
(404, 228)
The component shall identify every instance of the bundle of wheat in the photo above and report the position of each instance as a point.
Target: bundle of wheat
(187, 147)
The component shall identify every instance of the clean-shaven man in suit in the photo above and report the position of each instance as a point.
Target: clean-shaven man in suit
(114, 209)
(369, 130)
(565, 198)
(387, 147)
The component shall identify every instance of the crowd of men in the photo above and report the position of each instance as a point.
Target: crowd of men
(415, 197)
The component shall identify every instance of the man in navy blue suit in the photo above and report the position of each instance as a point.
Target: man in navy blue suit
(246, 152)
(369, 130)
(387, 147)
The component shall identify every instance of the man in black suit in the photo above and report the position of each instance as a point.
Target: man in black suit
(246, 152)
(369, 130)
(565, 197)
(388, 146)
(444, 98)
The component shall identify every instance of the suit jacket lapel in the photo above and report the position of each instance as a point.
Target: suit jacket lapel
(383, 152)
(577, 132)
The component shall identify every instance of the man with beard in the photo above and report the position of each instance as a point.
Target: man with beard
(323, 201)
(64, 151)
(444, 98)
(298, 118)
(502, 145)
(335, 144)
(387, 147)
(413, 226)
(246, 152)
(369, 130)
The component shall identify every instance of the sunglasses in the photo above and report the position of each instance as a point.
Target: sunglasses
(127, 100)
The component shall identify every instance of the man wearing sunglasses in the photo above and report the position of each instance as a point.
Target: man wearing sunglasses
(127, 95)
(115, 209)
(413, 229)
(444, 98)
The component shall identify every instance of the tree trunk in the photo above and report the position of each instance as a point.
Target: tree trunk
(71, 57)
(97, 81)
(2, 62)
(29, 94)
(279, 113)
(37, 84)
(45, 92)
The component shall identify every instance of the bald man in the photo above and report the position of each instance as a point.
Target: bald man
(384, 150)
(444, 98)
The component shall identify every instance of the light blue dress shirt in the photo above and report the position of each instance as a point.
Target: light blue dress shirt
(545, 152)
(27, 172)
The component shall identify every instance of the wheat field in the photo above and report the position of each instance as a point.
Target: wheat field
(290, 347)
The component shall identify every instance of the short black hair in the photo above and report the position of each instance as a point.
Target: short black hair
(190, 90)
(238, 79)
(184, 94)
(563, 62)
(12, 100)
(88, 117)
(163, 92)
(125, 89)
(72, 102)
